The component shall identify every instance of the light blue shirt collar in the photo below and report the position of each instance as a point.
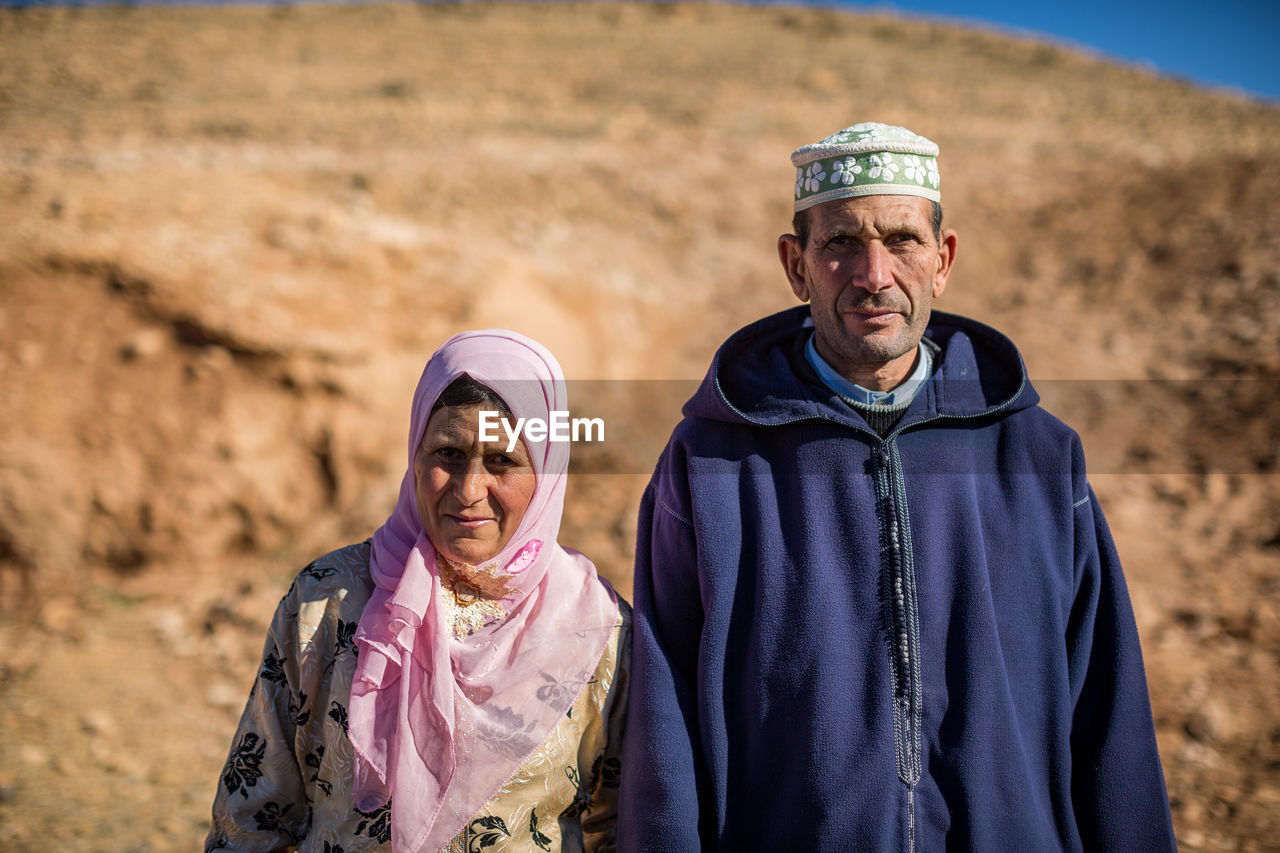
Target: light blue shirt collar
(899, 397)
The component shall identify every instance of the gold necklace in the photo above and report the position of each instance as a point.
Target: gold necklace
(470, 595)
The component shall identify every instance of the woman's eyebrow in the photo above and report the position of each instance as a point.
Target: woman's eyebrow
(446, 434)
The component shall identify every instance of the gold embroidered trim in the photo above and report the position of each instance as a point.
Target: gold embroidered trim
(470, 595)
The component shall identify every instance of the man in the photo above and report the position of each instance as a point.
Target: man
(877, 604)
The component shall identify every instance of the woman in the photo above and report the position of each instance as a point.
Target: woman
(457, 681)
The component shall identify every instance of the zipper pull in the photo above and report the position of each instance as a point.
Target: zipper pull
(883, 454)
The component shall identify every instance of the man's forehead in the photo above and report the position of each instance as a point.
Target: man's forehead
(871, 213)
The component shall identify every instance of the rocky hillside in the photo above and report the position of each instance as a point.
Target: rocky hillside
(230, 237)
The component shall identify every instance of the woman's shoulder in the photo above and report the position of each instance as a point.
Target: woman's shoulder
(321, 611)
(624, 613)
(621, 639)
(342, 575)
(616, 654)
(622, 622)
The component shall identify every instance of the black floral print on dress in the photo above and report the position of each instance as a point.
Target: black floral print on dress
(345, 643)
(273, 668)
(315, 761)
(318, 573)
(485, 832)
(269, 817)
(346, 634)
(376, 824)
(244, 766)
(538, 838)
(298, 710)
(338, 714)
(581, 800)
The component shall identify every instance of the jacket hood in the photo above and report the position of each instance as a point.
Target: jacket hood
(760, 375)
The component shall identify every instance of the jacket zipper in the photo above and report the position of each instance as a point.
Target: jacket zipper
(899, 592)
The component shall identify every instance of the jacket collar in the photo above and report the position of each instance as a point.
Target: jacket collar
(760, 376)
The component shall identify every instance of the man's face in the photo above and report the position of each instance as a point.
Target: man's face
(871, 270)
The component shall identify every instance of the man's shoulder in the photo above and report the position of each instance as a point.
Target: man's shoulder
(699, 436)
(1041, 419)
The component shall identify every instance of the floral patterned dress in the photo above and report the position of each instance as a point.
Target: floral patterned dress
(287, 781)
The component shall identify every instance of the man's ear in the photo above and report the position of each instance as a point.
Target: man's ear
(946, 260)
(791, 253)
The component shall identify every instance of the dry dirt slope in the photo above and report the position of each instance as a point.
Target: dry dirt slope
(229, 238)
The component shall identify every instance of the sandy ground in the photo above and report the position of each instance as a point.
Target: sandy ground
(230, 237)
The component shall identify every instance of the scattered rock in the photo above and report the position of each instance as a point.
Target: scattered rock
(59, 615)
(97, 722)
(32, 755)
(144, 345)
(1191, 839)
(170, 627)
(29, 354)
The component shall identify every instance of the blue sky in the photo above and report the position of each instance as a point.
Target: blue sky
(1231, 43)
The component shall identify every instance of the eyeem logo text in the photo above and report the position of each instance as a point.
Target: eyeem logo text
(559, 428)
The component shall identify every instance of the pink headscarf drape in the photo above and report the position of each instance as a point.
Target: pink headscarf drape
(440, 724)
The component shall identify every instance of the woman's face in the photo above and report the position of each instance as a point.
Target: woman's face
(471, 494)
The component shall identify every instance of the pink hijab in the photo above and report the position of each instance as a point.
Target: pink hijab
(440, 724)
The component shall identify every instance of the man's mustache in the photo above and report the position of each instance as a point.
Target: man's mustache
(875, 302)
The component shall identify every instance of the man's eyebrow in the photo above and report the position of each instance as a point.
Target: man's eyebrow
(844, 229)
(836, 229)
(900, 227)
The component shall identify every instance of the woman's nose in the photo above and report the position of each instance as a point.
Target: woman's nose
(472, 483)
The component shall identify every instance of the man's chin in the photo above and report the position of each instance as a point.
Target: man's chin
(884, 345)
(873, 328)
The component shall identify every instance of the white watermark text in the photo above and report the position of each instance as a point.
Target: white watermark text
(559, 428)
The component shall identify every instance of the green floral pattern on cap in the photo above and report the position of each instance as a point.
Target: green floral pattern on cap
(866, 159)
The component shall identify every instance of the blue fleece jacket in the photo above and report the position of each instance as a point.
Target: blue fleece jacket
(844, 642)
